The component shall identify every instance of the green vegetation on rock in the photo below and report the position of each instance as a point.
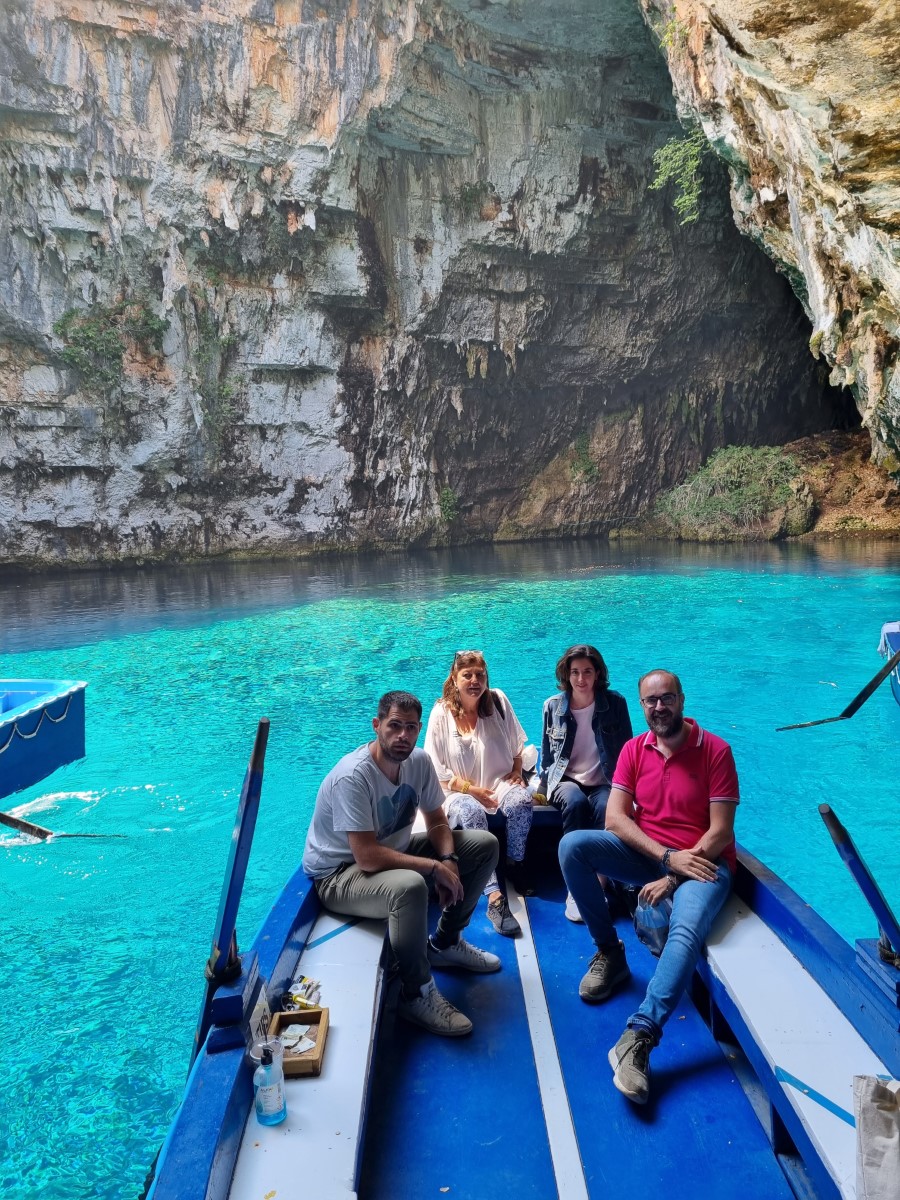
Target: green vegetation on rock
(473, 196)
(261, 247)
(678, 162)
(96, 338)
(449, 505)
(672, 34)
(218, 391)
(733, 496)
(583, 466)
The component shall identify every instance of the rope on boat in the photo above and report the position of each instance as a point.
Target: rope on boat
(26, 737)
(886, 951)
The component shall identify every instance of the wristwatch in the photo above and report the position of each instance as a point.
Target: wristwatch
(450, 857)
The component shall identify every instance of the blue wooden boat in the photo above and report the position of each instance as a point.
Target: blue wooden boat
(888, 647)
(41, 729)
(753, 1082)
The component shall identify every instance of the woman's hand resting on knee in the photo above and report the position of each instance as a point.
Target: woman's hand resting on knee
(485, 797)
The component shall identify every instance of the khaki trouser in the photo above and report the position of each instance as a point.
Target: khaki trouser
(402, 897)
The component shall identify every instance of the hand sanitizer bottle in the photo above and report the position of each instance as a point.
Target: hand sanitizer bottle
(268, 1089)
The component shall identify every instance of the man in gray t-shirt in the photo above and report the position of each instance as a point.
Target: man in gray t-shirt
(366, 862)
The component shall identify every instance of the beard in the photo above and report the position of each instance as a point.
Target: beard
(394, 753)
(666, 724)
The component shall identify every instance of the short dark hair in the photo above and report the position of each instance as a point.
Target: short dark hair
(661, 671)
(595, 658)
(403, 700)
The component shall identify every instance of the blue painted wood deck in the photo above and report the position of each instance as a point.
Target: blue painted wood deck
(697, 1136)
(472, 1111)
(460, 1113)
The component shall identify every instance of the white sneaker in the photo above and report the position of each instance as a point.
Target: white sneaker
(434, 1012)
(572, 912)
(465, 956)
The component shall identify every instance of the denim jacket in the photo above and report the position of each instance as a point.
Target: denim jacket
(612, 729)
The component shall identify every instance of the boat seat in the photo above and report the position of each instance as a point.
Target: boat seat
(315, 1150)
(810, 1047)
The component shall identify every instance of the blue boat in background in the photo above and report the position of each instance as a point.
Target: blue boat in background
(887, 648)
(41, 729)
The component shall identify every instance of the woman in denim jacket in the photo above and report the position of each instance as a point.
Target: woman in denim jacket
(584, 730)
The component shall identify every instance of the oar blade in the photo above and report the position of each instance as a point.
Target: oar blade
(809, 724)
(856, 703)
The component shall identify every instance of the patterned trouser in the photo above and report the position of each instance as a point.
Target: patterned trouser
(463, 812)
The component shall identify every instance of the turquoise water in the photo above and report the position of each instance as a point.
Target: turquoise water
(105, 940)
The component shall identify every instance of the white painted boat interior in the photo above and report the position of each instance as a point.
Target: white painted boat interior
(809, 1044)
(320, 1138)
(800, 1030)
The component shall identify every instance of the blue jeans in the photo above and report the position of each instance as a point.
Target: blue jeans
(584, 854)
(581, 807)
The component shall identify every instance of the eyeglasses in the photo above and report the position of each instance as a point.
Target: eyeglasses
(667, 699)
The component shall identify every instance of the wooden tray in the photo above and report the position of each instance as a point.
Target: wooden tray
(310, 1062)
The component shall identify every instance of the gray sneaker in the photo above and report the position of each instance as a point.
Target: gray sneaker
(434, 1012)
(464, 955)
(502, 919)
(630, 1061)
(607, 969)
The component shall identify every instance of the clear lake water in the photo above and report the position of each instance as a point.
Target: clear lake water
(105, 940)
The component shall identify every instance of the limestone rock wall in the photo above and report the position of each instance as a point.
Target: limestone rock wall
(277, 274)
(801, 98)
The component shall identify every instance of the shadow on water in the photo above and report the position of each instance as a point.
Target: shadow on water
(59, 609)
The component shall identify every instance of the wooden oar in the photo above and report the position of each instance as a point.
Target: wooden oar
(38, 831)
(856, 703)
(224, 964)
(887, 922)
(88, 835)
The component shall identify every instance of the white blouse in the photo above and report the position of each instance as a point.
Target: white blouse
(483, 756)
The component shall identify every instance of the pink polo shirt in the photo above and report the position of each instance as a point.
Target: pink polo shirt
(672, 795)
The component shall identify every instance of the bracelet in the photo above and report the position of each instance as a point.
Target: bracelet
(464, 786)
(664, 861)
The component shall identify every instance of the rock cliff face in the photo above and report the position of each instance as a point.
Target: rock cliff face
(801, 98)
(276, 275)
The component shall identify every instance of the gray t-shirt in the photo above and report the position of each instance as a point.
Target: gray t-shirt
(357, 797)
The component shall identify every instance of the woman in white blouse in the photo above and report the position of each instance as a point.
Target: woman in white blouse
(475, 741)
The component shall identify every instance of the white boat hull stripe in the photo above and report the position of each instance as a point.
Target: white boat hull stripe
(564, 1152)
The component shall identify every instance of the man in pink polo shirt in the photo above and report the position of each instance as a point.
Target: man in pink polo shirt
(669, 829)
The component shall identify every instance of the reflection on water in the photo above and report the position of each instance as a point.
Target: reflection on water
(72, 608)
